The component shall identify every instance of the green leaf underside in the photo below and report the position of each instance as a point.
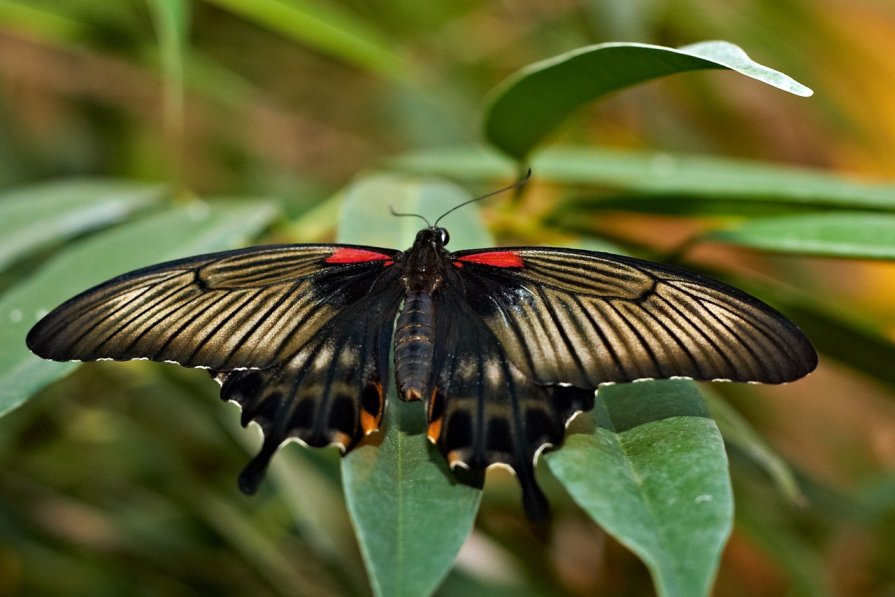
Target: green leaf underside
(410, 514)
(667, 177)
(530, 104)
(41, 215)
(847, 234)
(190, 229)
(650, 468)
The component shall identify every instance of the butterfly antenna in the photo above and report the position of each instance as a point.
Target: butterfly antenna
(391, 209)
(515, 185)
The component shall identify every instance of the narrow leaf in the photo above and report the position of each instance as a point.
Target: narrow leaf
(410, 514)
(652, 471)
(531, 103)
(326, 28)
(43, 23)
(667, 178)
(172, 26)
(845, 234)
(195, 228)
(38, 216)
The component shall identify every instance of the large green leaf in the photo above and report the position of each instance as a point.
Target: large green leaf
(193, 228)
(40, 215)
(410, 514)
(652, 471)
(852, 234)
(672, 181)
(531, 103)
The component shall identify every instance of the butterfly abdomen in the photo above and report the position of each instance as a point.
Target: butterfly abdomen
(413, 345)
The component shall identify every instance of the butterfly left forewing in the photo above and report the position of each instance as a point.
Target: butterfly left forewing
(241, 309)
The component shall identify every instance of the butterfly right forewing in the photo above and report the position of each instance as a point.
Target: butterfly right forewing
(584, 318)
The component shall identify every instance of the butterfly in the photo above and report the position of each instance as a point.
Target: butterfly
(503, 345)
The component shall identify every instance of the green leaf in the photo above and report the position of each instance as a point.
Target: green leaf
(171, 19)
(531, 103)
(653, 473)
(410, 514)
(846, 234)
(38, 22)
(41, 215)
(193, 228)
(326, 28)
(670, 179)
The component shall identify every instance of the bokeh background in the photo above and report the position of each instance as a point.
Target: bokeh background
(119, 480)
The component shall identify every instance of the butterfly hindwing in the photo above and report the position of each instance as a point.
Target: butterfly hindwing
(331, 391)
(484, 410)
(585, 318)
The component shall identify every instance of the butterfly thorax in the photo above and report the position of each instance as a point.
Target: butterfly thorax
(422, 274)
(423, 264)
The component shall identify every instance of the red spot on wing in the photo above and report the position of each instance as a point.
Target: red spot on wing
(493, 258)
(349, 255)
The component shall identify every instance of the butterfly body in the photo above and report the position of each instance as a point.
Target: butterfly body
(503, 345)
(423, 271)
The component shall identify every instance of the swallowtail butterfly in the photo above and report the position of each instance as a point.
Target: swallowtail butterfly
(504, 345)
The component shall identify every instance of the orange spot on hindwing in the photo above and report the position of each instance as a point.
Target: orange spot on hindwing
(436, 416)
(372, 403)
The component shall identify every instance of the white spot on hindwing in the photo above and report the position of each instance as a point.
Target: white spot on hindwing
(466, 370)
(348, 357)
(493, 371)
(324, 357)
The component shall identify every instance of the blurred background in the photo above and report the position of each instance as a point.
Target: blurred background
(120, 479)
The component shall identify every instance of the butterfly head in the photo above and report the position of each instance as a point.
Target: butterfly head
(434, 237)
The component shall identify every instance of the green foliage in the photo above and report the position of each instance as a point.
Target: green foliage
(849, 234)
(652, 471)
(654, 182)
(123, 474)
(529, 105)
